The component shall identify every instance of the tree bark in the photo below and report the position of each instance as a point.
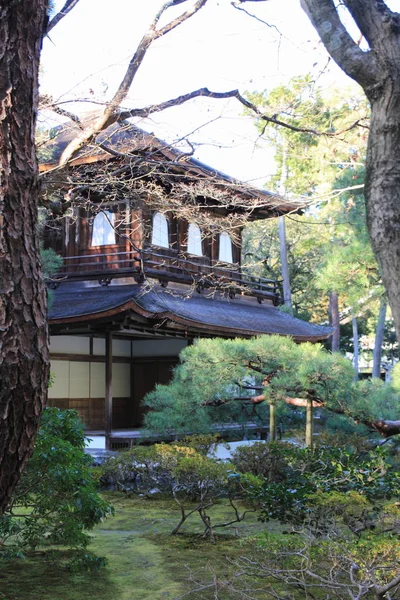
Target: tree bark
(356, 346)
(24, 362)
(380, 330)
(287, 292)
(309, 423)
(334, 321)
(377, 70)
(272, 422)
(382, 189)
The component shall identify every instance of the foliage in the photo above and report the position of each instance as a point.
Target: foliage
(56, 501)
(328, 248)
(194, 480)
(262, 460)
(337, 568)
(211, 385)
(51, 261)
(305, 253)
(203, 444)
(317, 488)
(144, 467)
(308, 163)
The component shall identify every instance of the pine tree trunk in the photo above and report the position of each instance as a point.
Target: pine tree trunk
(380, 330)
(24, 363)
(334, 321)
(356, 347)
(272, 422)
(287, 293)
(309, 423)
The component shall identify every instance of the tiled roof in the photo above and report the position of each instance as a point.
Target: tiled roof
(196, 314)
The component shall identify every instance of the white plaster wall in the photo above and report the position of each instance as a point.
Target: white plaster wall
(97, 380)
(73, 379)
(119, 347)
(60, 374)
(79, 376)
(69, 344)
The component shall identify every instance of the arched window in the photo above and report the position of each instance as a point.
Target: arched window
(225, 248)
(103, 233)
(194, 245)
(159, 236)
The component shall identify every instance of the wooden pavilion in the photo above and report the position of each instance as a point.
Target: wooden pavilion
(151, 247)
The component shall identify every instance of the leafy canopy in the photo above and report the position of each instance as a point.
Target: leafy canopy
(233, 381)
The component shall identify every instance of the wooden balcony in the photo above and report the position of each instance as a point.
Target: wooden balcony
(166, 266)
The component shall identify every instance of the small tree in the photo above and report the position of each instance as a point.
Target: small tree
(56, 501)
(215, 380)
(194, 480)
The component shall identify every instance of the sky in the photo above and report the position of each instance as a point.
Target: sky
(220, 47)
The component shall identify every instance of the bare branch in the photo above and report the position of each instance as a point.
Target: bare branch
(109, 115)
(205, 92)
(68, 6)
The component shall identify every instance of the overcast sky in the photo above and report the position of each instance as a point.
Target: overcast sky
(221, 48)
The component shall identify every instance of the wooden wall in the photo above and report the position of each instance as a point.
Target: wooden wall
(78, 376)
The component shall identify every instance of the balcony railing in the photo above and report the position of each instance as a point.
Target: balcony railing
(167, 266)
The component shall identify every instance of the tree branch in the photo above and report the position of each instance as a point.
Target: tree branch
(369, 16)
(109, 115)
(205, 92)
(360, 66)
(384, 427)
(68, 6)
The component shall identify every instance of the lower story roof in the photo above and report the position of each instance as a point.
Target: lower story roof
(170, 310)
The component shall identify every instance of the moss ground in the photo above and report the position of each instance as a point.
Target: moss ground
(144, 562)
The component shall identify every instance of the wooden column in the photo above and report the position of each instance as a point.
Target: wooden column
(309, 423)
(108, 395)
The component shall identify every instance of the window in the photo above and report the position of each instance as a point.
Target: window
(194, 245)
(159, 236)
(225, 248)
(103, 233)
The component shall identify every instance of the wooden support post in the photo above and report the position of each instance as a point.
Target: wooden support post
(309, 423)
(108, 395)
(272, 422)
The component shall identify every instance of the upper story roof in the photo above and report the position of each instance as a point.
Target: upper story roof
(148, 155)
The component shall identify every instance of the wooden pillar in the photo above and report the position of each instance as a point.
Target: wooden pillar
(108, 395)
(272, 422)
(309, 423)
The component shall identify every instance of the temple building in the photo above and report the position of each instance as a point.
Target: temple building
(151, 245)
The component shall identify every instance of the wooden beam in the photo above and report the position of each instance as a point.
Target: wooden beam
(108, 395)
